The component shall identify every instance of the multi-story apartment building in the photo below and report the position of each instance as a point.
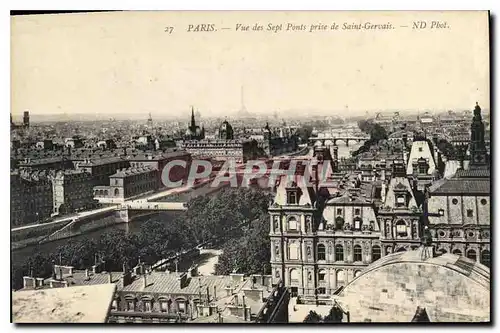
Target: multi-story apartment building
(146, 296)
(31, 198)
(73, 191)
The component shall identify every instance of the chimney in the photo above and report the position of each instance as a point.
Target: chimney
(236, 299)
(110, 277)
(28, 282)
(215, 293)
(208, 295)
(183, 278)
(244, 308)
(60, 273)
(145, 284)
(87, 277)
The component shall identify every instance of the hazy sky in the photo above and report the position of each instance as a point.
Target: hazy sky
(124, 63)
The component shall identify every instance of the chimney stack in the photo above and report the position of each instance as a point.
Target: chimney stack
(110, 277)
(244, 308)
(87, 274)
(215, 293)
(145, 281)
(208, 295)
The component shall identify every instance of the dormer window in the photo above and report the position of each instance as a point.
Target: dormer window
(357, 211)
(292, 198)
(357, 224)
(400, 201)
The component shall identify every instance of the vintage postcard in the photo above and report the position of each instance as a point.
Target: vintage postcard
(250, 167)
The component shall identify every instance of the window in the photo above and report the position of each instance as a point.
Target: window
(457, 252)
(422, 169)
(321, 252)
(485, 258)
(339, 223)
(483, 202)
(339, 211)
(400, 201)
(376, 253)
(420, 149)
(117, 192)
(357, 224)
(454, 201)
(322, 275)
(294, 251)
(357, 253)
(339, 252)
(114, 305)
(357, 273)
(164, 306)
(441, 212)
(130, 305)
(471, 254)
(357, 211)
(340, 277)
(321, 291)
(182, 306)
(292, 198)
(292, 223)
(401, 229)
(469, 213)
(147, 306)
(294, 276)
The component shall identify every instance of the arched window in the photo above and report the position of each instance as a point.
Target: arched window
(401, 249)
(485, 258)
(357, 273)
(401, 230)
(339, 252)
(322, 275)
(294, 251)
(321, 252)
(340, 277)
(106, 192)
(441, 251)
(294, 276)
(357, 253)
(457, 252)
(339, 223)
(117, 192)
(376, 253)
(292, 223)
(471, 254)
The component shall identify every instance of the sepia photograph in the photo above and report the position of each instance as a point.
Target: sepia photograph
(250, 167)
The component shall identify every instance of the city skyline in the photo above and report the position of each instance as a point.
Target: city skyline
(103, 64)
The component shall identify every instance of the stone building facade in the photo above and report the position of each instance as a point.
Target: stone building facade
(459, 208)
(31, 197)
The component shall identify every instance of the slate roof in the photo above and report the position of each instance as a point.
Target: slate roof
(461, 185)
(168, 283)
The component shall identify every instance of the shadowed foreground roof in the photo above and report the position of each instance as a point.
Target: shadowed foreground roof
(82, 304)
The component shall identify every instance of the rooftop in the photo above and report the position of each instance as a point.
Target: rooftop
(81, 304)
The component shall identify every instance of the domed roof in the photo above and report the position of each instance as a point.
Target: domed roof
(451, 288)
(225, 126)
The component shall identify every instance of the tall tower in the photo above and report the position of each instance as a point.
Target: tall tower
(478, 152)
(150, 121)
(26, 119)
(193, 122)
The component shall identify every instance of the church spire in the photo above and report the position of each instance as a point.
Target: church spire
(193, 123)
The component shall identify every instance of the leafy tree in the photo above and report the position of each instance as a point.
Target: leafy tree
(334, 316)
(305, 132)
(312, 317)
